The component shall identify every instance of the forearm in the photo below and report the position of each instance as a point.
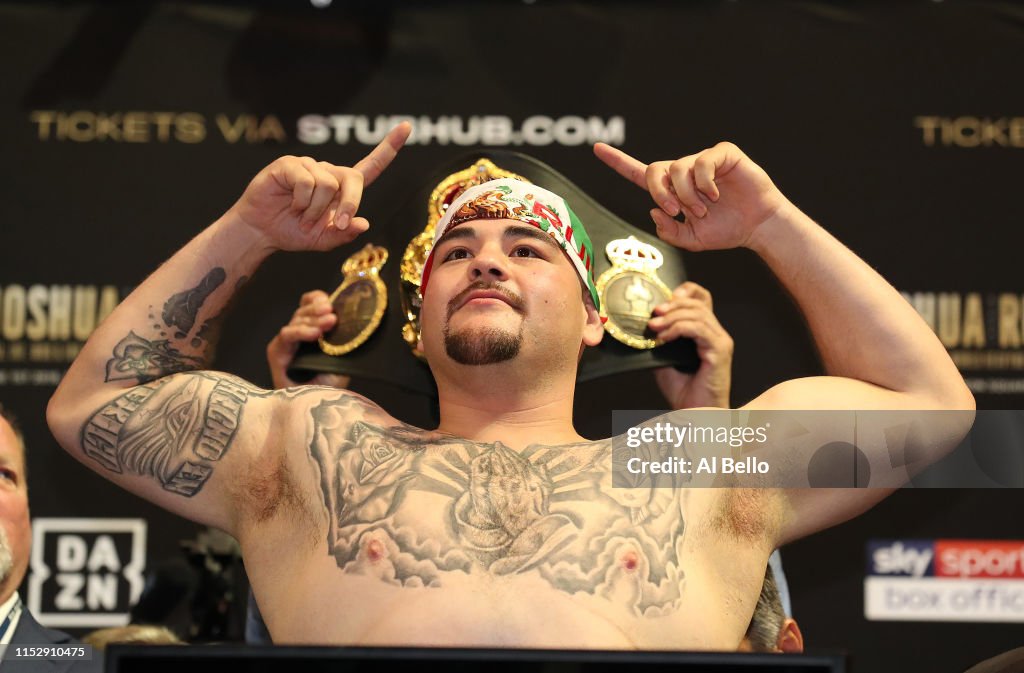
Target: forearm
(863, 328)
(169, 324)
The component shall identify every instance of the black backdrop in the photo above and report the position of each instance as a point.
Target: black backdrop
(126, 128)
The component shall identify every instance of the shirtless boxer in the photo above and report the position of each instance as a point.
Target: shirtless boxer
(500, 527)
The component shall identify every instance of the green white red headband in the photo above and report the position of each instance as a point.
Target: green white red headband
(510, 199)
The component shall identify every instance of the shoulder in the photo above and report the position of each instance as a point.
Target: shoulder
(30, 631)
(342, 407)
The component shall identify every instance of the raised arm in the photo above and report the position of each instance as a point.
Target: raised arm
(136, 405)
(879, 352)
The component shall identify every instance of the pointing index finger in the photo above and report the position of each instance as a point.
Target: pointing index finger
(374, 163)
(628, 167)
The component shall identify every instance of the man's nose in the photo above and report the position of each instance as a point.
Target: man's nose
(489, 263)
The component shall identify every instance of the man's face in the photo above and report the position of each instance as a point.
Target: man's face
(499, 287)
(15, 532)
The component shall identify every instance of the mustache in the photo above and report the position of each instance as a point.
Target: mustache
(514, 300)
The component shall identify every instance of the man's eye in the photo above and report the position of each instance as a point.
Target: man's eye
(9, 475)
(456, 253)
(524, 251)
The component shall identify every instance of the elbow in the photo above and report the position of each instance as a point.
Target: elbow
(948, 409)
(945, 392)
(959, 397)
(59, 418)
(966, 403)
(957, 409)
(967, 400)
(54, 411)
(965, 407)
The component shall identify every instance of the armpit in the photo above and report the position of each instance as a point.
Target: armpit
(271, 490)
(747, 514)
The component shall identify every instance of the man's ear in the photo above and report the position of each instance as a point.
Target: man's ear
(790, 639)
(593, 331)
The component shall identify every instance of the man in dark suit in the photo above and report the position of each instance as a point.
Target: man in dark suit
(17, 626)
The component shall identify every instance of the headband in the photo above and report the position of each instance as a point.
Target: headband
(510, 199)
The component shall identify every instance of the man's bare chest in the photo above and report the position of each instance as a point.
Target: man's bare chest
(424, 514)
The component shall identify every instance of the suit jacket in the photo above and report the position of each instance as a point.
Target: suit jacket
(31, 632)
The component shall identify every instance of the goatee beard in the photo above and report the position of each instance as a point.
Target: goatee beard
(485, 346)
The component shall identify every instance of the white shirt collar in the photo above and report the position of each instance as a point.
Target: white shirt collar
(5, 610)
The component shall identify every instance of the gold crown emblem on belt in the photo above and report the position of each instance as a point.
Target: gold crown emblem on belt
(630, 290)
(359, 302)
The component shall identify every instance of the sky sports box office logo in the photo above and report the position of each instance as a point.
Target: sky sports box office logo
(945, 580)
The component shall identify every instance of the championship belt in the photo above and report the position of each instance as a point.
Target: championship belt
(359, 302)
(374, 335)
(630, 290)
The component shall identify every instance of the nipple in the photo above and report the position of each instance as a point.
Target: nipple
(374, 550)
(630, 561)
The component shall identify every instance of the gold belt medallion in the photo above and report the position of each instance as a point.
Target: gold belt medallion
(630, 290)
(359, 302)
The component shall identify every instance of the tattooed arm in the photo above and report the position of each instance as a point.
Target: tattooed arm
(128, 406)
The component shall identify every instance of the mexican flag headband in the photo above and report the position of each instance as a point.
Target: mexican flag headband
(510, 199)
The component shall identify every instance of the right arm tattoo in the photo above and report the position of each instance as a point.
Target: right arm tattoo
(176, 429)
(172, 429)
(172, 351)
(144, 360)
(182, 309)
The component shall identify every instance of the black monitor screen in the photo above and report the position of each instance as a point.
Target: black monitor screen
(217, 659)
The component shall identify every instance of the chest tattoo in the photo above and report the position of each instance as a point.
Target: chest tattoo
(408, 506)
